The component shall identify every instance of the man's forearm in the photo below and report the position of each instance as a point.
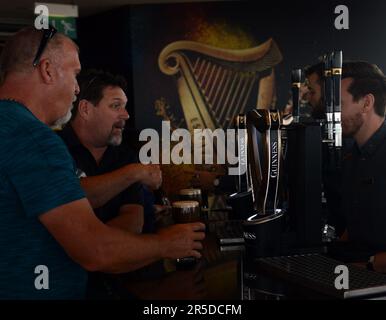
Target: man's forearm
(102, 188)
(98, 247)
(128, 252)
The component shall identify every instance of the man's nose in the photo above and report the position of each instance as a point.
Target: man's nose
(77, 89)
(124, 114)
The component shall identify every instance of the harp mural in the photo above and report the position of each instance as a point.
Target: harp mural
(199, 68)
(215, 84)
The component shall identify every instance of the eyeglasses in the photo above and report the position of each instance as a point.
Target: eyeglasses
(47, 35)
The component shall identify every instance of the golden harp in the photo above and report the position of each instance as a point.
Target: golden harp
(215, 84)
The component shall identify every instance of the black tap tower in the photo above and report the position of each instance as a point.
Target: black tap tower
(264, 154)
(296, 78)
(242, 201)
(304, 158)
(337, 60)
(284, 177)
(332, 98)
(262, 229)
(303, 166)
(240, 124)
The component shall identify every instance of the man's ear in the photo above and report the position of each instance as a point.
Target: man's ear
(46, 69)
(369, 101)
(84, 108)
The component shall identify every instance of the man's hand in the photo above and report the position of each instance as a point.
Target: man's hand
(150, 175)
(380, 262)
(182, 240)
(102, 188)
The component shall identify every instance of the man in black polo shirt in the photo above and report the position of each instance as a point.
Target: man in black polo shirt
(110, 173)
(364, 177)
(114, 178)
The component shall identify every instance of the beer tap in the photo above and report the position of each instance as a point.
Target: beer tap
(328, 98)
(337, 76)
(296, 77)
(243, 180)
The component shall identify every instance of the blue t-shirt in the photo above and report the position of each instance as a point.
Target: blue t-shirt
(37, 174)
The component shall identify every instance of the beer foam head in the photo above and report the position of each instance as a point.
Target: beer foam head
(190, 192)
(185, 204)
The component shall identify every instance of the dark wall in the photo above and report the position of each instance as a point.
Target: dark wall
(104, 42)
(303, 31)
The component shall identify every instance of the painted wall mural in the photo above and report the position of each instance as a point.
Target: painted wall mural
(200, 64)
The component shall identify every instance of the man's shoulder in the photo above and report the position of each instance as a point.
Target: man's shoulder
(15, 117)
(14, 110)
(20, 128)
(27, 140)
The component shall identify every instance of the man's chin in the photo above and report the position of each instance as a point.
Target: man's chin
(115, 140)
(63, 120)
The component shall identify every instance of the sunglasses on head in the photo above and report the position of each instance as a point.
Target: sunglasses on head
(47, 35)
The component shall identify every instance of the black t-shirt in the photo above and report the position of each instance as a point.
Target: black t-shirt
(364, 192)
(113, 158)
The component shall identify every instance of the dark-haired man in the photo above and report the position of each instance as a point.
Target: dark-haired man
(114, 178)
(314, 78)
(364, 179)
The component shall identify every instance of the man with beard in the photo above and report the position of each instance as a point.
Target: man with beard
(113, 177)
(314, 78)
(110, 174)
(363, 174)
(50, 235)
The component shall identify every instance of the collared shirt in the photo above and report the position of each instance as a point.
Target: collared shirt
(364, 192)
(113, 158)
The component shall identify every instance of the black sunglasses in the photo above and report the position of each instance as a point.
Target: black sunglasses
(47, 35)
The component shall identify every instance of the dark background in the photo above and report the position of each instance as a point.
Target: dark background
(129, 40)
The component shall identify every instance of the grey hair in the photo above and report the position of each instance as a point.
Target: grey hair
(21, 48)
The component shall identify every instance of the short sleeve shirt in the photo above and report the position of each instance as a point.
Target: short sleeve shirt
(36, 175)
(113, 158)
